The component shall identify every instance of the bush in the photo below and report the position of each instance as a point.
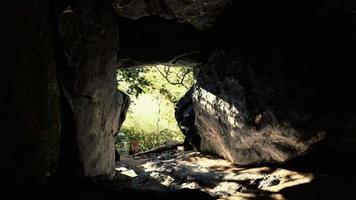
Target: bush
(147, 140)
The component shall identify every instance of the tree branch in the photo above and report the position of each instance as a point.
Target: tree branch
(166, 76)
(182, 55)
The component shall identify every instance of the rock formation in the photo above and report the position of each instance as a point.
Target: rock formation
(271, 89)
(275, 78)
(264, 92)
(231, 129)
(185, 116)
(67, 98)
(89, 41)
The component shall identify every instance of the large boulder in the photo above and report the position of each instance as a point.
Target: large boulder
(251, 116)
(274, 86)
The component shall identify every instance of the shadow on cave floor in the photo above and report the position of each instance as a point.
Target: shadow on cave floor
(333, 171)
(81, 188)
(319, 175)
(180, 175)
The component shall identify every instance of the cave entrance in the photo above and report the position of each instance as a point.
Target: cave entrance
(150, 120)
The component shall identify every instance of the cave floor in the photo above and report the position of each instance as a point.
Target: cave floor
(223, 180)
(179, 175)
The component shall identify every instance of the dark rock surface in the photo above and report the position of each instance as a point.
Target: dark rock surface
(153, 40)
(66, 105)
(185, 116)
(273, 87)
(90, 45)
(85, 188)
(228, 127)
(30, 122)
(199, 13)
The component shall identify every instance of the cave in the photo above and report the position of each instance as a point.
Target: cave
(274, 90)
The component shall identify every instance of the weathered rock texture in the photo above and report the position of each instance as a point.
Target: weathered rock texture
(273, 87)
(268, 87)
(90, 40)
(231, 129)
(64, 107)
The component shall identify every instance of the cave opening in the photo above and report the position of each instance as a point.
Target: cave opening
(150, 119)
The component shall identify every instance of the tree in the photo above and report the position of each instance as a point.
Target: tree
(136, 82)
(164, 86)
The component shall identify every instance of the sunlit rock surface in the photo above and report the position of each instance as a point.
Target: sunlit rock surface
(231, 129)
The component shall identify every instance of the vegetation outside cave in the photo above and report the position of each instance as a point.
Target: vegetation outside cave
(154, 91)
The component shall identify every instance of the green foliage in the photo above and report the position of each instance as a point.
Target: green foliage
(150, 119)
(135, 80)
(169, 81)
(147, 140)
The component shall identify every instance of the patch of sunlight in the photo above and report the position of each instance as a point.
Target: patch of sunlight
(249, 196)
(289, 179)
(202, 167)
(209, 103)
(218, 177)
(125, 171)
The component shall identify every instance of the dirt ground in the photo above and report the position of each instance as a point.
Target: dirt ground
(224, 180)
(178, 175)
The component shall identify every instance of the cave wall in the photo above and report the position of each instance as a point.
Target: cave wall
(31, 115)
(63, 108)
(88, 31)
